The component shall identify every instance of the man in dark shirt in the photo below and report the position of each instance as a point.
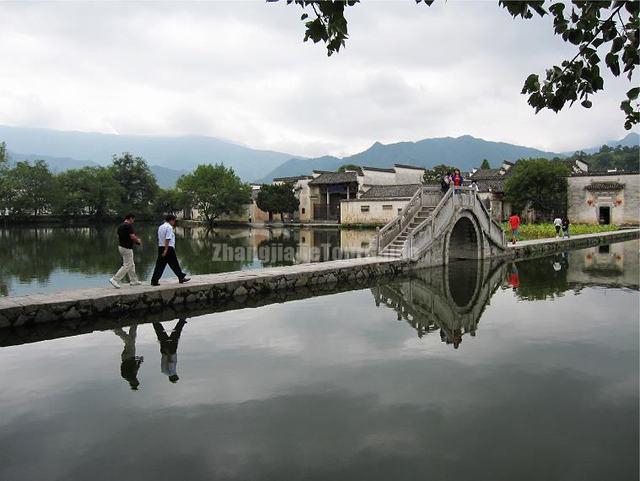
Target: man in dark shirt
(126, 239)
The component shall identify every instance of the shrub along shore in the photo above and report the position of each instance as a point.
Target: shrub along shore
(547, 230)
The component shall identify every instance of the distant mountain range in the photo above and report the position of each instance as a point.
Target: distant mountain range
(170, 157)
(166, 177)
(464, 152)
(175, 154)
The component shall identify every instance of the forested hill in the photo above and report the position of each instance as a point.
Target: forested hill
(177, 153)
(621, 158)
(464, 152)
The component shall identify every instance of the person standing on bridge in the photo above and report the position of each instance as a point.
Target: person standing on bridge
(457, 180)
(167, 252)
(445, 183)
(565, 227)
(557, 222)
(514, 223)
(126, 239)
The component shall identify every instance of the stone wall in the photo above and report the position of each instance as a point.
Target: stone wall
(380, 211)
(544, 247)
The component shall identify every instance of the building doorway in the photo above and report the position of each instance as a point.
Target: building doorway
(604, 215)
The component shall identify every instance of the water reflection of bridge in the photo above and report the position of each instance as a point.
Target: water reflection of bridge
(450, 300)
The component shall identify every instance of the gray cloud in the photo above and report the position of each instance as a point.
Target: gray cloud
(240, 71)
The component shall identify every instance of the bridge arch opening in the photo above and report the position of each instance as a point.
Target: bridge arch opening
(463, 282)
(463, 240)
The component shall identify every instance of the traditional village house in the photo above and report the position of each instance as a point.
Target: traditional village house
(604, 198)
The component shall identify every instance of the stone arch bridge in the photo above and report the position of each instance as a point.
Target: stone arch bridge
(434, 229)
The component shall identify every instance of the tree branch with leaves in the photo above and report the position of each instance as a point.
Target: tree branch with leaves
(595, 27)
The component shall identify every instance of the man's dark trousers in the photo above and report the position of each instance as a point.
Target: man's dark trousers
(162, 262)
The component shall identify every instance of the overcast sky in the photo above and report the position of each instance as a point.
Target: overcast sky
(240, 71)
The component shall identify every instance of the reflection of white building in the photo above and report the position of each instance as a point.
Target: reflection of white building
(606, 265)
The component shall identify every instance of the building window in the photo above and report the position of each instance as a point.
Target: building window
(303, 210)
(387, 207)
(364, 208)
(399, 210)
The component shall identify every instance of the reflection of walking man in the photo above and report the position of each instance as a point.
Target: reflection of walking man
(126, 238)
(130, 362)
(167, 252)
(169, 348)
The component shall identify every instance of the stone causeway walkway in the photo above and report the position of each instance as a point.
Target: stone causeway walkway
(214, 289)
(210, 288)
(542, 247)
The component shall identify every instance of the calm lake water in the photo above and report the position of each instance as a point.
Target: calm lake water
(524, 371)
(41, 259)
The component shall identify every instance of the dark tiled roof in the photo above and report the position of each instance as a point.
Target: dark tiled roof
(391, 191)
(291, 180)
(402, 166)
(486, 174)
(334, 178)
(493, 185)
(379, 169)
(605, 186)
(604, 174)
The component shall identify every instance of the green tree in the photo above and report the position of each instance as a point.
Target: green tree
(168, 201)
(485, 164)
(540, 184)
(620, 158)
(4, 157)
(88, 191)
(345, 167)
(137, 182)
(214, 190)
(30, 189)
(601, 28)
(277, 198)
(436, 174)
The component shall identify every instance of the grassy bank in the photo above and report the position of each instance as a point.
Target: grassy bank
(544, 231)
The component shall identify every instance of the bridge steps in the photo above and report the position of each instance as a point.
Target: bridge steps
(432, 222)
(395, 247)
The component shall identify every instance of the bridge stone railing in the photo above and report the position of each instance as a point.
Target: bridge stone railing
(425, 196)
(443, 216)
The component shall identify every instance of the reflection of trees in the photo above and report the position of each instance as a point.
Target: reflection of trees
(28, 254)
(200, 251)
(33, 254)
(271, 252)
(543, 278)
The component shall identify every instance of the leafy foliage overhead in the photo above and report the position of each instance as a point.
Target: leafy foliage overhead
(596, 28)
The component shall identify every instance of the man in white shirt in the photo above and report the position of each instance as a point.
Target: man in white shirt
(169, 349)
(167, 252)
(557, 222)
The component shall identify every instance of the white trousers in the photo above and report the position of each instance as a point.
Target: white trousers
(128, 266)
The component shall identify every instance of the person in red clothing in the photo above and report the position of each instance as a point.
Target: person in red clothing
(514, 223)
(457, 180)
